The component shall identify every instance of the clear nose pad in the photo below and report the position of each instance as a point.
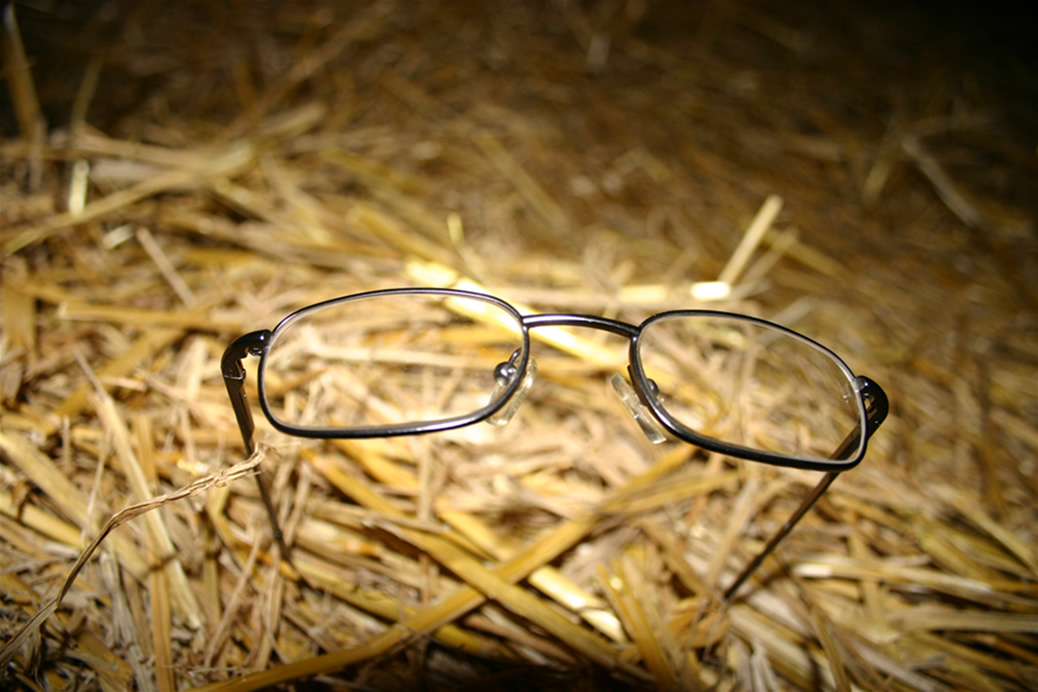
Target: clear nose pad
(645, 420)
(505, 374)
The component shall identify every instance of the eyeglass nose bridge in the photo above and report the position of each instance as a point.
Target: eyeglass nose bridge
(504, 373)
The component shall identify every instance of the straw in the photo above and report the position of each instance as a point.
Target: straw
(750, 240)
(568, 159)
(24, 97)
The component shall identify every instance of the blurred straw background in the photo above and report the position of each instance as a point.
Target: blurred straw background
(175, 174)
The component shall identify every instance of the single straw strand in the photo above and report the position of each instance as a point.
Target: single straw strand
(750, 240)
(165, 266)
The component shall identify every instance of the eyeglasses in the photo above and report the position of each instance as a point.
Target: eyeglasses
(412, 361)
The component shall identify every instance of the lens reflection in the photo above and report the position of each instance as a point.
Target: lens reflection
(748, 383)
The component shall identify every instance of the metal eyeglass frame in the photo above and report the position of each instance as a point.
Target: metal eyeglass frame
(872, 402)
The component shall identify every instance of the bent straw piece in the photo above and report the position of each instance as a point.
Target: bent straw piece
(493, 621)
(354, 517)
(89, 143)
(988, 559)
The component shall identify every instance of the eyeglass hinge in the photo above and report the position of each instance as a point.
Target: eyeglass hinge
(251, 344)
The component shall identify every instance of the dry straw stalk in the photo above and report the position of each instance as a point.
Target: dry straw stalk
(567, 160)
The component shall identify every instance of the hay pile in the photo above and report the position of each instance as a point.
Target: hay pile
(206, 169)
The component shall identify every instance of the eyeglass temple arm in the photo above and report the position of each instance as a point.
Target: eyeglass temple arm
(234, 379)
(877, 407)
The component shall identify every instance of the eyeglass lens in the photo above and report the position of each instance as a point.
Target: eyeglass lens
(393, 359)
(747, 383)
